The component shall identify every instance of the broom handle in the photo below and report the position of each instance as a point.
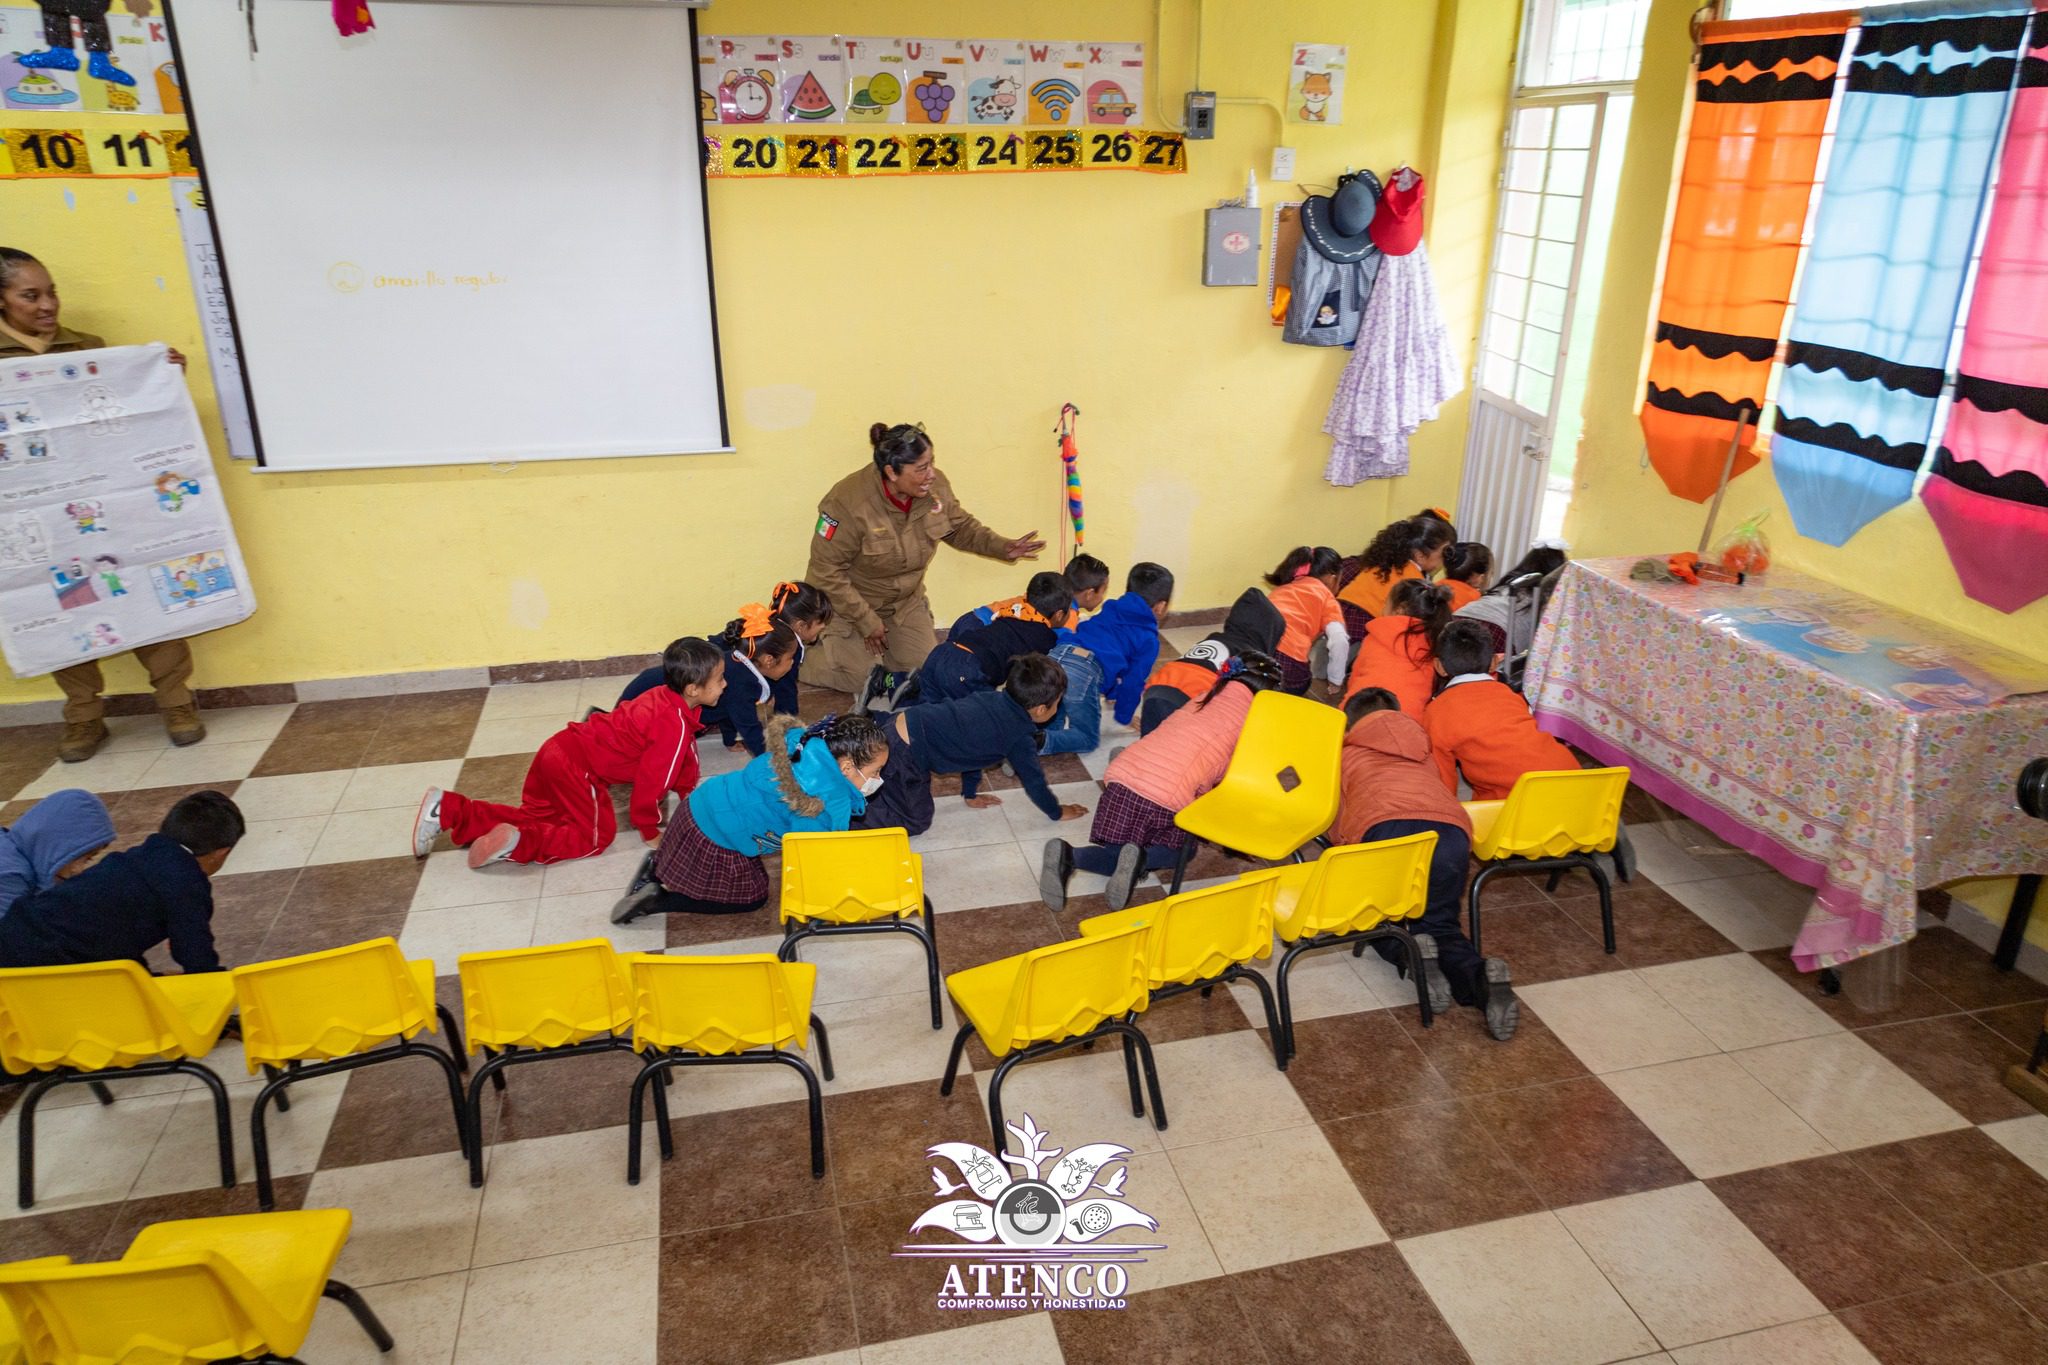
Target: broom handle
(1727, 469)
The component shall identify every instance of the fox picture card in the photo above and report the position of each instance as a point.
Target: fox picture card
(877, 77)
(1113, 83)
(1315, 83)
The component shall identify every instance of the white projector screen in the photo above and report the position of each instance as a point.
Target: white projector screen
(470, 235)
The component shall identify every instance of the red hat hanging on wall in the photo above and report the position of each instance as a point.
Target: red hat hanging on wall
(1397, 226)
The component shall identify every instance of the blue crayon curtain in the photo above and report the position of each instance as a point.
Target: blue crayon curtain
(1926, 94)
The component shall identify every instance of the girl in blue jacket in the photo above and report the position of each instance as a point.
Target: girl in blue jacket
(709, 862)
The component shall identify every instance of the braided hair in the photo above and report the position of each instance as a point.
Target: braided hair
(758, 634)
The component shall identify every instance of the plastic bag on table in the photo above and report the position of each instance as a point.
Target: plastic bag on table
(1746, 549)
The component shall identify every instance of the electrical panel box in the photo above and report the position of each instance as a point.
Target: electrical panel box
(1199, 116)
(1230, 255)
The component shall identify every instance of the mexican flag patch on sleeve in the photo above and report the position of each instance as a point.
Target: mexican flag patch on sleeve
(827, 528)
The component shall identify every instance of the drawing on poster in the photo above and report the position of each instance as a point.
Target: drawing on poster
(996, 74)
(1053, 73)
(89, 56)
(813, 80)
(173, 489)
(744, 77)
(102, 411)
(874, 79)
(192, 580)
(72, 582)
(108, 567)
(20, 416)
(96, 638)
(88, 516)
(22, 542)
(939, 76)
(1115, 82)
(1315, 83)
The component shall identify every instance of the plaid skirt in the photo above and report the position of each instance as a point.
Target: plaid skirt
(1356, 619)
(1124, 817)
(1294, 675)
(690, 864)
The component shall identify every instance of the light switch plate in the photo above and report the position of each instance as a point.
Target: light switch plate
(1283, 164)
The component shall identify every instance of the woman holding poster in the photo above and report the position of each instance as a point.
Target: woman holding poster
(29, 326)
(877, 531)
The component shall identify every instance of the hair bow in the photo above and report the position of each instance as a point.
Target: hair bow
(755, 621)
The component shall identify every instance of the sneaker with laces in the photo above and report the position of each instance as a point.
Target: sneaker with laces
(495, 846)
(427, 823)
(1503, 1011)
(82, 738)
(875, 685)
(183, 725)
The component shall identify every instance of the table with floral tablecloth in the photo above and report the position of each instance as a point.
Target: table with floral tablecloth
(1859, 750)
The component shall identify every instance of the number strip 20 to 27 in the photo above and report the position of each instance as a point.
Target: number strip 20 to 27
(829, 156)
(53, 153)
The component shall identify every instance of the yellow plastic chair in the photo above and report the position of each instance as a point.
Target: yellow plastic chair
(1280, 790)
(533, 1004)
(1053, 998)
(1202, 939)
(13, 1351)
(234, 1288)
(857, 881)
(1351, 896)
(1550, 822)
(722, 1011)
(334, 1011)
(109, 1021)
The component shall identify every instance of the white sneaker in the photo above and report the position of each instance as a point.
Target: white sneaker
(427, 823)
(495, 846)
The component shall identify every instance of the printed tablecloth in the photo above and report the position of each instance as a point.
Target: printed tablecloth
(1839, 770)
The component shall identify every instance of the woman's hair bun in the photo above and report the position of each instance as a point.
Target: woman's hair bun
(877, 432)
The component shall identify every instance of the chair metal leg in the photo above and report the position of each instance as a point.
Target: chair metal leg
(1472, 900)
(1272, 1015)
(1415, 974)
(817, 1110)
(998, 1130)
(455, 1101)
(824, 1046)
(487, 1073)
(927, 936)
(223, 1122)
(360, 1310)
(26, 1182)
(1131, 1031)
(101, 1093)
(259, 1140)
(1180, 865)
(498, 1075)
(284, 1101)
(455, 1048)
(1606, 901)
(952, 1061)
(663, 1134)
(1280, 975)
(1131, 1074)
(1555, 879)
(634, 1109)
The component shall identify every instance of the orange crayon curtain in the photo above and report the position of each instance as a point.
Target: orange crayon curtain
(1760, 104)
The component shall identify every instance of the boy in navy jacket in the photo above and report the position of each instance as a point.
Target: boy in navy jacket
(128, 902)
(979, 660)
(964, 736)
(1110, 655)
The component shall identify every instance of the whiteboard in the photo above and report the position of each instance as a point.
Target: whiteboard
(471, 235)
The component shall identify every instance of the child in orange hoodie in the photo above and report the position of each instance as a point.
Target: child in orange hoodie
(1410, 548)
(1305, 592)
(1399, 649)
(1390, 790)
(1483, 726)
(1468, 566)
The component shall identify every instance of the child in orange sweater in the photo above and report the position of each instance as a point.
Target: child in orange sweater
(1467, 567)
(1305, 592)
(1480, 725)
(1410, 548)
(1399, 649)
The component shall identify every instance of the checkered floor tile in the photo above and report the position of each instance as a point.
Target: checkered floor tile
(1687, 1154)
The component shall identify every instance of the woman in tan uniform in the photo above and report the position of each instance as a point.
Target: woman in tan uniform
(877, 531)
(29, 326)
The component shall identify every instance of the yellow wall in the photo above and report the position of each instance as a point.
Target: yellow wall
(1201, 438)
(1619, 505)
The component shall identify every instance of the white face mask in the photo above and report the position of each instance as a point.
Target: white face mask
(871, 786)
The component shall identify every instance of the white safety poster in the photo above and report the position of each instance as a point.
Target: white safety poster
(112, 529)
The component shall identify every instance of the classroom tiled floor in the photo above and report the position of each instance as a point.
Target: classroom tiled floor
(1687, 1155)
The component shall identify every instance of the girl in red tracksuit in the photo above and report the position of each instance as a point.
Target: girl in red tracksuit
(565, 808)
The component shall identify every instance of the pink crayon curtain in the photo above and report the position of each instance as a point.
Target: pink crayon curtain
(1988, 493)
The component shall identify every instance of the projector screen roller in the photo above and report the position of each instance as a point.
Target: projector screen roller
(452, 240)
